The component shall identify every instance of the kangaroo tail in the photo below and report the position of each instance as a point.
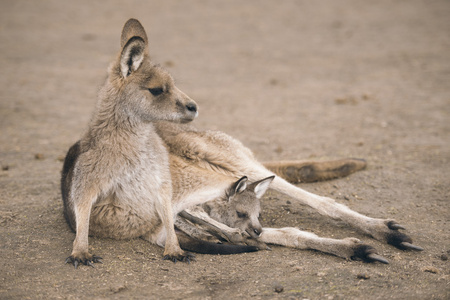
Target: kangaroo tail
(199, 246)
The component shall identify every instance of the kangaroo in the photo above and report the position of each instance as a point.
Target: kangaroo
(218, 154)
(235, 219)
(231, 218)
(116, 181)
(139, 164)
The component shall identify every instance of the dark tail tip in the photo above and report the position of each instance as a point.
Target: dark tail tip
(203, 247)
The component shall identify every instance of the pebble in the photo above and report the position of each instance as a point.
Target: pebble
(39, 156)
(363, 276)
(117, 289)
(431, 269)
(279, 288)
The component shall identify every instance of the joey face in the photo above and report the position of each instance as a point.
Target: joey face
(241, 208)
(245, 213)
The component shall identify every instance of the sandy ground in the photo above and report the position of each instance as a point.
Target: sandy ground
(292, 80)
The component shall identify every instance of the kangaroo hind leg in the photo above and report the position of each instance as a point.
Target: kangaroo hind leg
(348, 248)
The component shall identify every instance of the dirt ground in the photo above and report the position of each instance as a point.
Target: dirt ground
(292, 80)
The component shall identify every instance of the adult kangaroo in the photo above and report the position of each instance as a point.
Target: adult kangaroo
(139, 164)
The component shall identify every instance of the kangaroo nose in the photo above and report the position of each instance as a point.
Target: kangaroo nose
(191, 107)
(257, 232)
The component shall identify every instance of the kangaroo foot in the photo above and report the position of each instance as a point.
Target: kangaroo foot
(368, 254)
(388, 231)
(184, 257)
(398, 239)
(83, 258)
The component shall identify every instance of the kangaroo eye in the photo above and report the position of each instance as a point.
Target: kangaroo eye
(156, 91)
(241, 215)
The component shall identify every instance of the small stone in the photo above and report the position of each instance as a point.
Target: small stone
(444, 257)
(5, 167)
(431, 269)
(363, 276)
(39, 156)
(279, 288)
(117, 289)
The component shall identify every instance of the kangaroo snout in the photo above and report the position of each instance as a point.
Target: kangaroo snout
(192, 107)
(190, 111)
(257, 232)
(254, 232)
(188, 107)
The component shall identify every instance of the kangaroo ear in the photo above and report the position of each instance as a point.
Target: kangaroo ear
(134, 44)
(237, 187)
(132, 28)
(260, 187)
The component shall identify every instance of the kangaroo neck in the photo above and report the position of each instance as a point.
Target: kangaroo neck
(112, 123)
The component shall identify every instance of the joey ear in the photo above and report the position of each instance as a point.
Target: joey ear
(237, 187)
(260, 187)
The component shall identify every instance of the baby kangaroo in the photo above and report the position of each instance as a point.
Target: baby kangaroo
(235, 219)
(116, 180)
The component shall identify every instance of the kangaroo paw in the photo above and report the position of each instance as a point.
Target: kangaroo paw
(398, 239)
(184, 257)
(368, 254)
(87, 260)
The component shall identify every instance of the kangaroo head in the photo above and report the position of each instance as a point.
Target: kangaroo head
(241, 206)
(145, 90)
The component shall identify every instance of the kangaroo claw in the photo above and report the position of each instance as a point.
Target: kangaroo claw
(395, 226)
(186, 257)
(398, 239)
(401, 241)
(85, 261)
(368, 254)
(376, 257)
(406, 245)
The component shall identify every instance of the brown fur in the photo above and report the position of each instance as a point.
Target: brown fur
(116, 180)
(136, 167)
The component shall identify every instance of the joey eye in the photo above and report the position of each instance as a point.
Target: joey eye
(156, 91)
(241, 215)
